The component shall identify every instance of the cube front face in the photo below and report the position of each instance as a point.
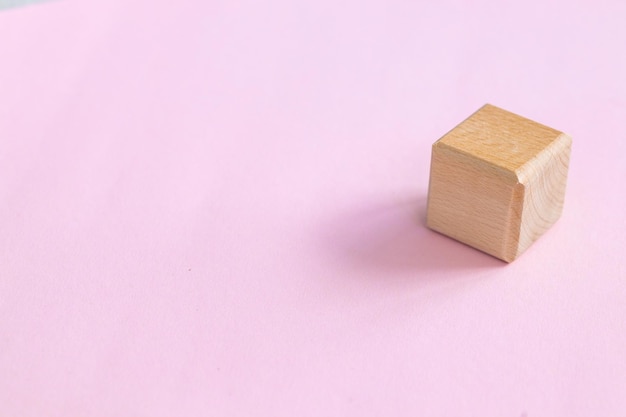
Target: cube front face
(474, 203)
(497, 182)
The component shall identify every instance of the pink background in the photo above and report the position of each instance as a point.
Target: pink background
(216, 209)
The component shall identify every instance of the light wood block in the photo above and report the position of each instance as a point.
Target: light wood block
(497, 181)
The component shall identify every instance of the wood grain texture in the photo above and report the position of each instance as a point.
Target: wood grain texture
(497, 181)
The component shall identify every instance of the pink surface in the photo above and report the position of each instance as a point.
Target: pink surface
(216, 209)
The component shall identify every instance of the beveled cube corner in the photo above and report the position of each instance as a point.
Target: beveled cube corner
(497, 182)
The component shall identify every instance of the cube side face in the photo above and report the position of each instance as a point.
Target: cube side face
(474, 202)
(544, 179)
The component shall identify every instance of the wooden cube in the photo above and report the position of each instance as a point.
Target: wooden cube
(497, 181)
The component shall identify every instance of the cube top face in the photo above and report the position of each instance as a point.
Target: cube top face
(499, 137)
(497, 182)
